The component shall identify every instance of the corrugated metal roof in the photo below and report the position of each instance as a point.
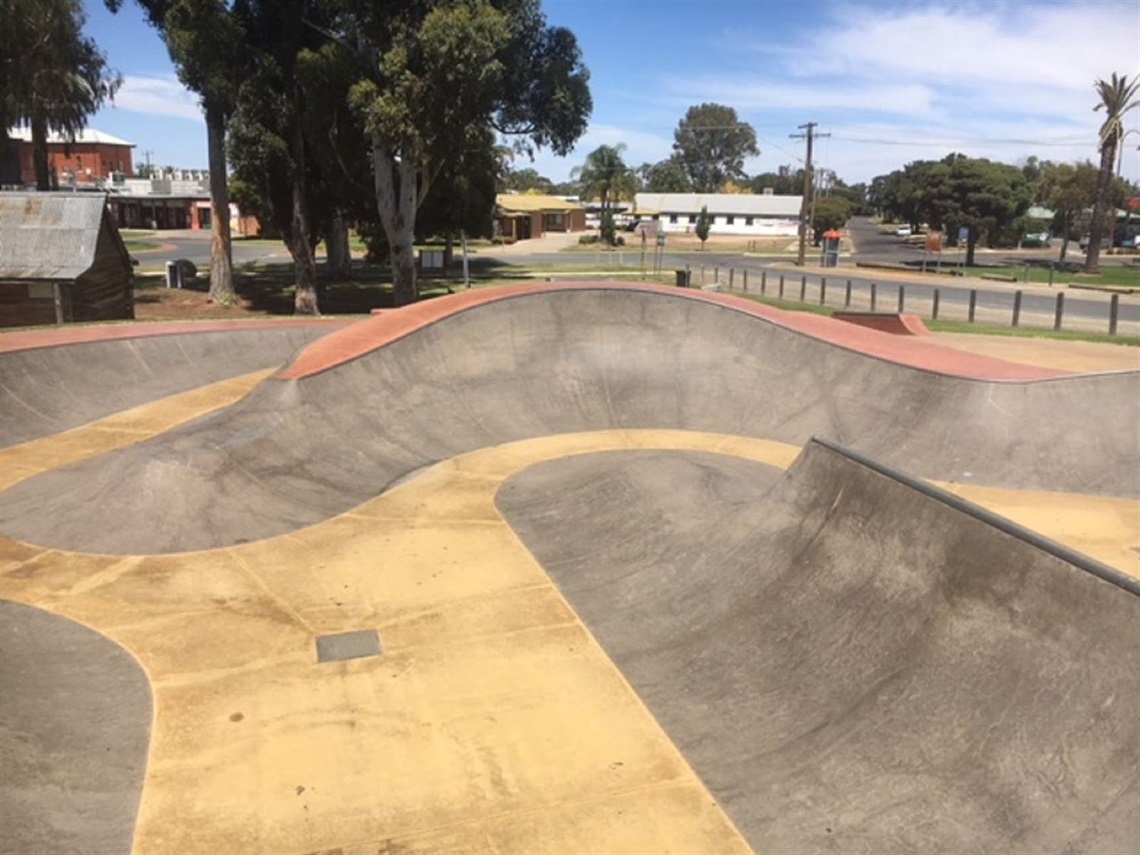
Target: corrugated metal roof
(526, 203)
(744, 204)
(87, 135)
(49, 235)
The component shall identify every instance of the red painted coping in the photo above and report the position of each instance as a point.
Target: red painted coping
(382, 329)
(65, 335)
(888, 322)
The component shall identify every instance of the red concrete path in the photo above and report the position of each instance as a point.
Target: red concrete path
(379, 330)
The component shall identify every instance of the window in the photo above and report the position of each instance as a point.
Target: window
(692, 219)
(748, 221)
(728, 221)
(673, 219)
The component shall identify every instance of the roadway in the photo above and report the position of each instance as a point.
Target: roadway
(993, 299)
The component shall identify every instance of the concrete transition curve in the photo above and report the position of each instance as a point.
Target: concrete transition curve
(849, 659)
(75, 716)
(49, 383)
(516, 365)
(851, 664)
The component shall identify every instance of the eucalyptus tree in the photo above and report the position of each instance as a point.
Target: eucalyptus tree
(979, 195)
(712, 144)
(52, 76)
(434, 72)
(1069, 190)
(207, 46)
(292, 130)
(1117, 96)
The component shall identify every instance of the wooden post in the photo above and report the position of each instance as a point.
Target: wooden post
(1016, 308)
(823, 290)
(847, 296)
(874, 289)
(1060, 311)
(934, 308)
(973, 304)
(744, 276)
(781, 286)
(803, 288)
(902, 298)
(1113, 313)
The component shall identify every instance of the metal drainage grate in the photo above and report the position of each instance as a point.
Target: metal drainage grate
(358, 644)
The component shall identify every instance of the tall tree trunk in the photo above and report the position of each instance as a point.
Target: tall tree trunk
(1064, 238)
(971, 243)
(396, 206)
(336, 244)
(40, 153)
(221, 253)
(1096, 230)
(298, 240)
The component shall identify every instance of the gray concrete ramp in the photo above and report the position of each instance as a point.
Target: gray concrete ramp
(75, 717)
(300, 451)
(852, 665)
(46, 390)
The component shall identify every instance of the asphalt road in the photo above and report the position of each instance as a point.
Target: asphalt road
(197, 250)
(993, 298)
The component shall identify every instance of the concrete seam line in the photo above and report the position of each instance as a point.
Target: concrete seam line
(1089, 565)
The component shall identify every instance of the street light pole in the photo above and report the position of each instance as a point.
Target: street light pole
(1120, 154)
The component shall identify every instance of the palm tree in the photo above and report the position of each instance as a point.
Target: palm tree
(56, 79)
(606, 176)
(1117, 97)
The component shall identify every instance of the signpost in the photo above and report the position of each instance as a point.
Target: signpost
(933, 244)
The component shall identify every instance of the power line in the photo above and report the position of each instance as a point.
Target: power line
(810, 135)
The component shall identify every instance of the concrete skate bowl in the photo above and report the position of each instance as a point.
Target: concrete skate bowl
(45, 389)
(849, 662)
(315, 443)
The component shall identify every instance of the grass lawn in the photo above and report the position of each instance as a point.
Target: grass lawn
(1127, 276)
(267, 290)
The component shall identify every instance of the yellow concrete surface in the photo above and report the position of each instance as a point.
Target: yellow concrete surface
(1079, 356)
(492, 723)
(22, 461)
(1101, 527)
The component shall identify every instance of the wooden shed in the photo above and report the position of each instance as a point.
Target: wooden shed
(61, 260)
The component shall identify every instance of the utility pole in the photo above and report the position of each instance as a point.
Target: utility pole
(810, 135)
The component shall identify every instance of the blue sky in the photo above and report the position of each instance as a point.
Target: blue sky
(891, 82)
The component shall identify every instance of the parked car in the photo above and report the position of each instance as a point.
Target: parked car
(903, 231)
(1036, 239)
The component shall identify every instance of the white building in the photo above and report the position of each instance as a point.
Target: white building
(764, 215)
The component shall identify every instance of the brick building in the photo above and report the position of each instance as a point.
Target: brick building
(90, 157)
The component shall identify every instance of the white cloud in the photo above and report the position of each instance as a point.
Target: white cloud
(997, 79)
(158, 96)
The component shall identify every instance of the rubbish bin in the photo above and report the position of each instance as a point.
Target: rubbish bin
(173, 274)
(684, 278)
(829, 257)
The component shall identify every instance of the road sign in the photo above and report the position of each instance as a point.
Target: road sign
(963, 234)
